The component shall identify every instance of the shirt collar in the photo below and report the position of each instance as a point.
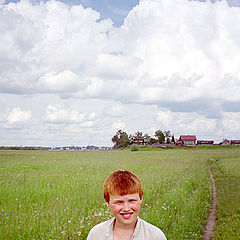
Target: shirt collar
(109, 228)
(137, 228)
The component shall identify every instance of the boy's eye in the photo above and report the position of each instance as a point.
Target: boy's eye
(132, 200)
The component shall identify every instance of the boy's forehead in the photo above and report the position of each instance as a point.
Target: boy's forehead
(123, 197)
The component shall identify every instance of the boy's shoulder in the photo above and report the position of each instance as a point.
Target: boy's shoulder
(150, 230)
(101, 229)
(103, 225)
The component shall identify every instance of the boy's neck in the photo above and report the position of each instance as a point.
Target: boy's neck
(123, 231)
(124, 227)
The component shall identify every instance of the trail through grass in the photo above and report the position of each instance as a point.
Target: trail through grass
(227, 174)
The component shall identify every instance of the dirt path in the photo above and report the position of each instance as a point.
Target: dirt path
(209, 228)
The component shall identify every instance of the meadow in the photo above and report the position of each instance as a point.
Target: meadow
(58, 195)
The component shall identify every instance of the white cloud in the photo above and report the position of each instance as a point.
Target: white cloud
(92, 116)
(58, 114)
(58, 40)
(17, 115)
(119, 125)
(231, 123)
(176, 50)
(116, 110)
(65, 81)
(87, 124)
(187, 123)
(182, 56)
(165, 118)
(184, 47)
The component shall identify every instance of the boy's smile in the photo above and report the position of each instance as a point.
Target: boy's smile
(125, 208)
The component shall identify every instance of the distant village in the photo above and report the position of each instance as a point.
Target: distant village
(163, 139)
(191, 140)
(122, 140)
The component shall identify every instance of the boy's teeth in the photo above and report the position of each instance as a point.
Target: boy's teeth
(126, 215)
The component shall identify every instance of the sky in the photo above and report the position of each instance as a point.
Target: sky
(74, 72)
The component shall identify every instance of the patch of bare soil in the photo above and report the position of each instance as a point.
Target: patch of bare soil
(209, 228)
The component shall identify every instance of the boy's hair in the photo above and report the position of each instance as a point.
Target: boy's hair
(122, 183)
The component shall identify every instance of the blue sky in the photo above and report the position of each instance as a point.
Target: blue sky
(117, 10)
(61, 81)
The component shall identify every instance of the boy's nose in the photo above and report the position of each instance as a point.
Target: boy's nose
(126, 207)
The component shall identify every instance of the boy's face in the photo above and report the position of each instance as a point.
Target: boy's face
(125, 208)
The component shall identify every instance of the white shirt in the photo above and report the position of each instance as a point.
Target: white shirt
(143, 231)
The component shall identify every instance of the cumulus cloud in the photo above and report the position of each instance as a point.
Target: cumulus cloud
(65, 81)
(60, 43)
(230, 123)
(17, 115)
(116, 110)
(184, 122)
(166, 51)
(117, 126)
(59, 114)
(188, 50)
(193, 123)
(182, 56)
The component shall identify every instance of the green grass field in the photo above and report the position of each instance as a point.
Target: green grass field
(58, 195)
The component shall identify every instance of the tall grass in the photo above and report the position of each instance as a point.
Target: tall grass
(58, 195)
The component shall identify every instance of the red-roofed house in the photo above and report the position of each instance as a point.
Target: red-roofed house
(235, 141)
(187, 140)
(225, 142)
(205, 142)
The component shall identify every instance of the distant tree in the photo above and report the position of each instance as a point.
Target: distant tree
(138, 138)
(173, 139)
(160, 136)
(152, 140)
(120, 139)
(167, 135)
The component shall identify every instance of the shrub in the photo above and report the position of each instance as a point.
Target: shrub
(134, 148)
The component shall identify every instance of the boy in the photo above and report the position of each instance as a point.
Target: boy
(123, 195)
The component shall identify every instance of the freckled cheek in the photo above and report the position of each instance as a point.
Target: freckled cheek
(115, 209)
(136, 207)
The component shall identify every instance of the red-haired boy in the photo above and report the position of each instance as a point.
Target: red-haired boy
(123, 194)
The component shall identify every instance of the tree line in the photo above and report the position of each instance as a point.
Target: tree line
(122, 139)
